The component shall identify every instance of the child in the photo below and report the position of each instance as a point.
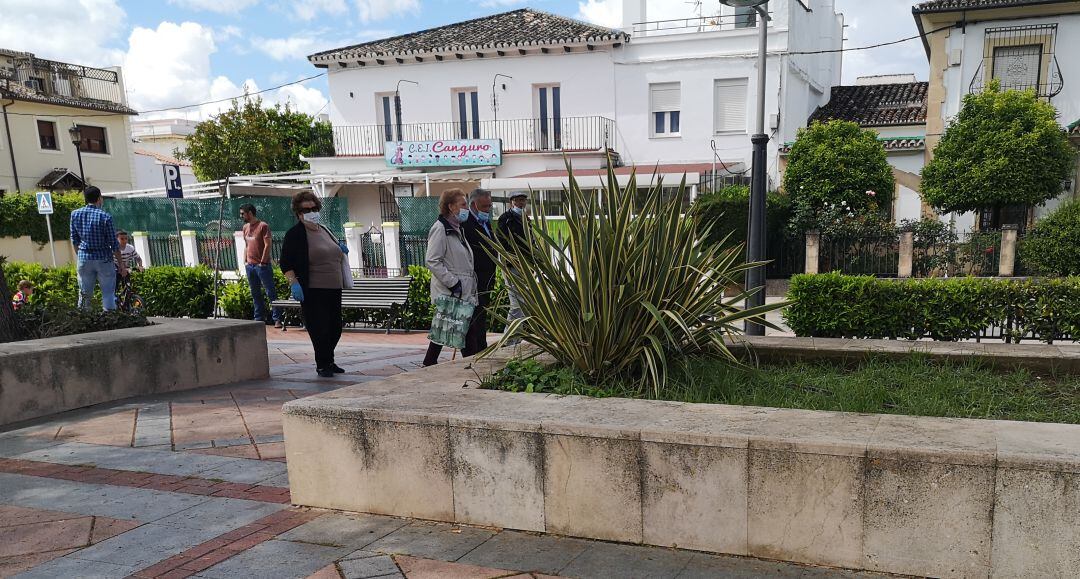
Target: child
(128, 252)
(26, 289)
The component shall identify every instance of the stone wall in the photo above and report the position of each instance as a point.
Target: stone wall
(42, 377)
(900, 494)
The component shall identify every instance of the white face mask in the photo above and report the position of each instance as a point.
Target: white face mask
(313, 217)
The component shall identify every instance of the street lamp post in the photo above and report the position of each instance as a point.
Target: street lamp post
(397, 106)
(755, 238)
(76, 139)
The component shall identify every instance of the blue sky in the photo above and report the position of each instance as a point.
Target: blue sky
(177, 52)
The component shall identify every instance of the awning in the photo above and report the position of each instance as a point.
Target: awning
(647, 175)
(61, 178)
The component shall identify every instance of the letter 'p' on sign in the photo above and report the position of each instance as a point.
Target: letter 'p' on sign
(173, 188)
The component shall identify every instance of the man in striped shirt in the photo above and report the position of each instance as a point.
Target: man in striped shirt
(94, 238)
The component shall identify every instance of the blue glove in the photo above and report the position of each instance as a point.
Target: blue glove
(297, 291)
(344, 247)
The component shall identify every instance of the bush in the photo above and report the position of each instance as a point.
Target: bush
(19, 216)
(1052, 247)
(40, 321)
(626, 298)
(833, 305)
(837, 170)
(726, 213)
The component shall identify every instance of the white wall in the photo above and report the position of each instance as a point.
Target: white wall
(149, 174)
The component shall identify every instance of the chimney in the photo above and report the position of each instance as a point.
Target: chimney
(633, 11)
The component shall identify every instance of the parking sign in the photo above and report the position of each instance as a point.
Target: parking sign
(173, 188)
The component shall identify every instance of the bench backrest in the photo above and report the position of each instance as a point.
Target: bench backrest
(377, 292)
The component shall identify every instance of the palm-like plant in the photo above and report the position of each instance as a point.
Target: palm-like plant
(632, 288)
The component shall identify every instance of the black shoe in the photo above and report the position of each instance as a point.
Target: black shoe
(325, 373)
(337, 369)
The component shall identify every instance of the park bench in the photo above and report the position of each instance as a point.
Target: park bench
(372, 293)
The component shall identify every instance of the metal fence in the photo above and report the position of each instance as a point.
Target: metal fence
(375, 257)
(222, 248)
(786, 255)
(973, 253)
(166, 250)
(877, 255)
(413, 250)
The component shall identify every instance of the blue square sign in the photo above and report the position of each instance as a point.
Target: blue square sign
(173, 188)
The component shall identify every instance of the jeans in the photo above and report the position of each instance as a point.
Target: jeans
(322, 319)
(103, 273)
(262, 277)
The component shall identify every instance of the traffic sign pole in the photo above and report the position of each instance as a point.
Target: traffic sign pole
(52, 247)
(45, 207)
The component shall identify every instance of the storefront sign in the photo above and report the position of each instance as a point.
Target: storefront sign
(455, 153)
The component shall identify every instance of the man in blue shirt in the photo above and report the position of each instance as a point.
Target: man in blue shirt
(94, 238)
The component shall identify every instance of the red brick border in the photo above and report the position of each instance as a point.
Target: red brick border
(218, 549)
(160, 482)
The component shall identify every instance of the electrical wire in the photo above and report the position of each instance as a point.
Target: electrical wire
(179, 108)
(872, 46)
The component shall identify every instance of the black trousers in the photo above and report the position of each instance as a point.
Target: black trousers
(476, 337)
(322, 318)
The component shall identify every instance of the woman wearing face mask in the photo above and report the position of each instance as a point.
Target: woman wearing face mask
(311, 259)
(450, 258)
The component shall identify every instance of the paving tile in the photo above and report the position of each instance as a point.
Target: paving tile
(432, 541)
(106, 528)
(415, 568)
(276, 560)
(12, 515)
(526, 552)
(272, 450)
(69, 566)
(132, 459)
(604, 560)
(345, 530)
(374, 565)
(246, 451)
(10, 566)
(269, 438)
(33, 538)
(15, 445)
(114, 428)
(220, 514)
(278, 481)
(328, 572)
(702, 566)
(246, 471)
(146, 545)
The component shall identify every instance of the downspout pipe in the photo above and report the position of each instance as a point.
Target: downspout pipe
(11, 148)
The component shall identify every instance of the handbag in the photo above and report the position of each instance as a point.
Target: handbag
(451, 321)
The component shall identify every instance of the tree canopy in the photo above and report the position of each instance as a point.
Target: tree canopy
(1003, 148)
(250, 138)
(839, 170)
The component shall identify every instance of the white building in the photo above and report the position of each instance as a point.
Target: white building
(1023, 43)
(678, 94)
(157, 143)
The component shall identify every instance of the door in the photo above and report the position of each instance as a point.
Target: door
(549, 117)
(466, 113)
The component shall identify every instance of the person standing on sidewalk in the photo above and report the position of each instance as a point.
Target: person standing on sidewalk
(512, 230)
(260, 273)
(94, 237)
(480, 235)
(450, 258)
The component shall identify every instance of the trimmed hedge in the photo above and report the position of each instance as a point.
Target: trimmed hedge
(168, 291)
(833, 305)
(726, 211)
(1052, 247)
(19, 216)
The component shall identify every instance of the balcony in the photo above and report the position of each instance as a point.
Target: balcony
(567, 135)
(745, 20)
(1020, 58)
(31, 78)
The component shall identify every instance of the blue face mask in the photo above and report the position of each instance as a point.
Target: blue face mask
(463, 215)
(483, 216)
(516, 210)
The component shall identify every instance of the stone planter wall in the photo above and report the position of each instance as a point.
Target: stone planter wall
(42, 377)
(919, 496)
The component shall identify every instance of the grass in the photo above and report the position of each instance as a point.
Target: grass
(913, 386)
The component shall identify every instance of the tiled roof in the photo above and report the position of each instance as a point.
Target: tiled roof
(60, 176)
(164, 159)
(518, 28)
(955, 5)
(19, 92)
(876, 105)
(890, 144)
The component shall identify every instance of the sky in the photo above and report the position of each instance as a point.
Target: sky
(180, 52)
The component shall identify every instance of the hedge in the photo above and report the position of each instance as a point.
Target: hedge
(1052, 247)
(167, 291)
(726, 211)
(833, 305)
(19, 216)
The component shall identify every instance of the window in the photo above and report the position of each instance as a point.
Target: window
(729, 106)
(746, 17)
(93, 140)
(466, 103)
(547, 102)
(47, 135)
(664, 104)
(384, 111)
(1018, 67)
(35, 83)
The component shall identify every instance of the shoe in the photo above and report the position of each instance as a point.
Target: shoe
(337, 369)
(325, 373)
(279, 325)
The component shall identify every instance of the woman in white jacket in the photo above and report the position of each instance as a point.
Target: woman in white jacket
(450, 258)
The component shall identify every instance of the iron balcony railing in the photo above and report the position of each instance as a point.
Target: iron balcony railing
(747, 20)
(1020, 58)
(518, 135)
(50, 77)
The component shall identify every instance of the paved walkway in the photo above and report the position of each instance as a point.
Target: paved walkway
(194, 484)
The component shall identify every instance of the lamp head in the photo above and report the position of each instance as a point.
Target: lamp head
(743, 3)
(75, 133)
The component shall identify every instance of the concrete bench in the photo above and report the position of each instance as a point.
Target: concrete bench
(380, 293)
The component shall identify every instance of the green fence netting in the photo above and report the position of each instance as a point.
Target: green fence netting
(417, 214)
(156, 215)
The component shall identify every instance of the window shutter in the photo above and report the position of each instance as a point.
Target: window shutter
(665, 97)
(729, 102)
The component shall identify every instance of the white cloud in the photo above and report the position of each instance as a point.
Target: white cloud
(603, 12)
(880, 22)
(219, 6)
(293, 47)
(80, 32)
(500, 3)
(309, 9)
(170, 65)
(301, 98)
(227, 33)
(370, 10)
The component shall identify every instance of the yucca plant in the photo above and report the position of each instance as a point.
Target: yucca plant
(630, 288)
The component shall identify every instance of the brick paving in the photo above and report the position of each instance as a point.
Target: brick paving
(192, 484)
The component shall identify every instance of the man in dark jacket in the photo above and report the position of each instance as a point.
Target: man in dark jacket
(512, 229)
(479, 233)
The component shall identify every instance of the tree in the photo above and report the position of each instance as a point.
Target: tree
(249, 138)
(1004, 148)
(837, 170)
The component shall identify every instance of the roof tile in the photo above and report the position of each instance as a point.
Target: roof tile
(951, 5)
(876, 105)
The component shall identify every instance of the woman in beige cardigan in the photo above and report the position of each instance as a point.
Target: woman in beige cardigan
(450, 258)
